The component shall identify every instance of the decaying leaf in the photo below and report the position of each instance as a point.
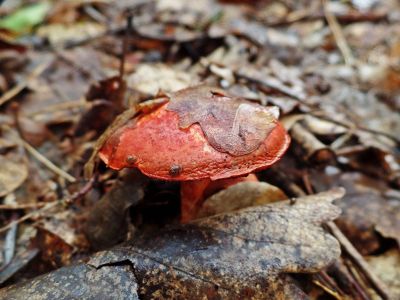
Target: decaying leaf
(387, 267)
(241, 195)
(244, 254)
(12, 174)
(153, 78)
(106, 223)
(107, 99)
(79, 282)
(227, 127)
(366, 213)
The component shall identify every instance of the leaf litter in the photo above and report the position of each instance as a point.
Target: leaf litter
(330, 67)
(231, 255)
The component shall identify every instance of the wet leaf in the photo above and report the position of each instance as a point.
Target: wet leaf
(234, 256)
(366, 213)
(79, 282)
(224, 118)
(106, 224)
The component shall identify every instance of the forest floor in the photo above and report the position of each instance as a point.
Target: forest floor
(69, 68)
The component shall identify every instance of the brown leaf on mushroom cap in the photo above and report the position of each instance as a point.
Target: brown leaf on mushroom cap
(231, 124)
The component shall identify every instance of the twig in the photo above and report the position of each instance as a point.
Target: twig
(20, 206)
(338, 35)
(357, 258)
(356, 281)
(15, 90)
(66, 201)
(327, 289)
(36, 154)
(379, 286)
(51, 166)
(125, 40)
(30, 215)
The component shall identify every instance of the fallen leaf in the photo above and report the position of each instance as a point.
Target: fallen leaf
(13, 173)
(107, 99)
(106, 224)
(244, 254)
(150, 79)
(366, 213)
(79, 282)
(224, 119)
(240, 195)
(62, 35)
(26, 17)
(387, 267)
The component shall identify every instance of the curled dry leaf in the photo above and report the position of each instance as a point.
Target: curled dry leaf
(106, 224)
(241, 195)
(13, 173)
(364, 214)
(244, 254)
(387, 267)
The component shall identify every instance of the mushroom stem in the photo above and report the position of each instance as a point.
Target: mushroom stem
(194, 192)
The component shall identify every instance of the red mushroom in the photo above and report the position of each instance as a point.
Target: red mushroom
(201, 136)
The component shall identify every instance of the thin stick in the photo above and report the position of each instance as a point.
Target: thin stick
(51, 166)
(20, 206)
(15, 90)
(338, 35)
(68, 200)
(30, 215)
(357, 258)
(327, 289)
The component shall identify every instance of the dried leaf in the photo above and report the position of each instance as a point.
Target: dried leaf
(13, 173)
(241, 195)
(238, 255)
(224, 119)
(153, 78)
(107, 98)
(107, 222)
(78, 282)
(387, 267)
(365, 213)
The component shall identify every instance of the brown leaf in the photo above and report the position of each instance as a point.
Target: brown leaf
(227, 127)
(107, 97)
(244, 254)
(107, 222)
(13, 173)
(366, 213)
(387, 267)
(240, 195)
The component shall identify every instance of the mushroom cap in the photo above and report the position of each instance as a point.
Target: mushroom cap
(159, 148)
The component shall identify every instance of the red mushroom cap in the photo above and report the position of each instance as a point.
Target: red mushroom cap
(156, 144)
